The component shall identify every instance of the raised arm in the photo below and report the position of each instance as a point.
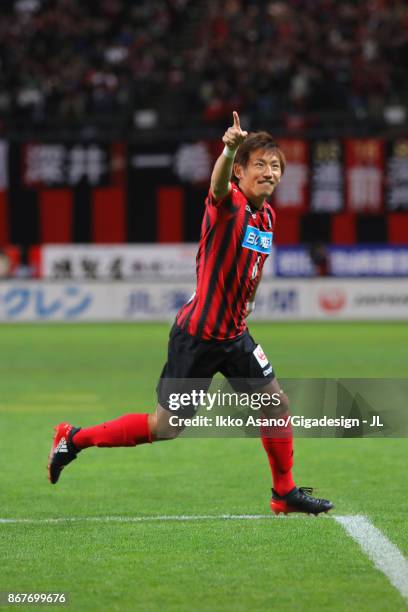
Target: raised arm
(221, 175)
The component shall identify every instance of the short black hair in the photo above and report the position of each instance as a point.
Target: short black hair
(259, 140)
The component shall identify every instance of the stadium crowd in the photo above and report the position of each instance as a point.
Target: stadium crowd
(76, 61)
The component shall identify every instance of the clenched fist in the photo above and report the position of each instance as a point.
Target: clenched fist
(234, 136)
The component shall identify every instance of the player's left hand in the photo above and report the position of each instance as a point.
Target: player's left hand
(250, 307)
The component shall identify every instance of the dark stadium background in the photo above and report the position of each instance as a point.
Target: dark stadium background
(151, 78)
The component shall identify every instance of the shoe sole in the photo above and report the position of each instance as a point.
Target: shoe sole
(50, 458)
(280, 509)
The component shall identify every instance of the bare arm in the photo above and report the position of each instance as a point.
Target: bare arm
(222, 172)
(252, 296)
(250, 305)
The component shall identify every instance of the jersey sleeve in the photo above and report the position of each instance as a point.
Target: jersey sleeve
(227, 201)
(273, 219)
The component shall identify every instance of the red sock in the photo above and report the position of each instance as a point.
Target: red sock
(280, 456)
(127, 430)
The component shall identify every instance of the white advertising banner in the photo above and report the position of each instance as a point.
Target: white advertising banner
(359, 299)
(160, 301)
(341, 299)
(128, 262)
(58, 301)
(109, 262)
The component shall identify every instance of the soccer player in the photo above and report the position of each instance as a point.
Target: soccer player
(210, 333)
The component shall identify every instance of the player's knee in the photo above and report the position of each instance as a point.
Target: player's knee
(284, 403)
(277, 408)
(161, 425)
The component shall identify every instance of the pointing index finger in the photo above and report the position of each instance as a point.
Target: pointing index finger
(236, 120)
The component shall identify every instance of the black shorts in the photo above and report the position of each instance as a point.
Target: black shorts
(241, 361)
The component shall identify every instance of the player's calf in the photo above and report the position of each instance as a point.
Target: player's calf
(162, 426)
(127, 430)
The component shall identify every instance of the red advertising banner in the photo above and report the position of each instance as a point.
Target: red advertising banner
(9, 260)
(292, 193)
(55, 215)
(334, 191)
(61, 164)
(364, 167)
(327, 177)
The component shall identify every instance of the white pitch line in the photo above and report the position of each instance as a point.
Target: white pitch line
(385, 555)
(137, 519)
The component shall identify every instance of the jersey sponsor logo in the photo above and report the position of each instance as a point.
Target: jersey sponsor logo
(260, 356)
(256, 240)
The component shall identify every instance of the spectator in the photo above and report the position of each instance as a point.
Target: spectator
(5, 267)
(72, 62)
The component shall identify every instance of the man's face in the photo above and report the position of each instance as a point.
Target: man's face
(260, 176)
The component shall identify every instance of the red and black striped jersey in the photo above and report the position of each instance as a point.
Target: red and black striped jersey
(236, 239)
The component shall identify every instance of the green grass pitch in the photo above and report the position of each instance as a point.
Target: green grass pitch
(89, 373)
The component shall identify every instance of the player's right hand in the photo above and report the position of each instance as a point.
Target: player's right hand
(234, 136)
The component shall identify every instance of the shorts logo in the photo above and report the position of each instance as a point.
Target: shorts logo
(260, 356)
(256, 240)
